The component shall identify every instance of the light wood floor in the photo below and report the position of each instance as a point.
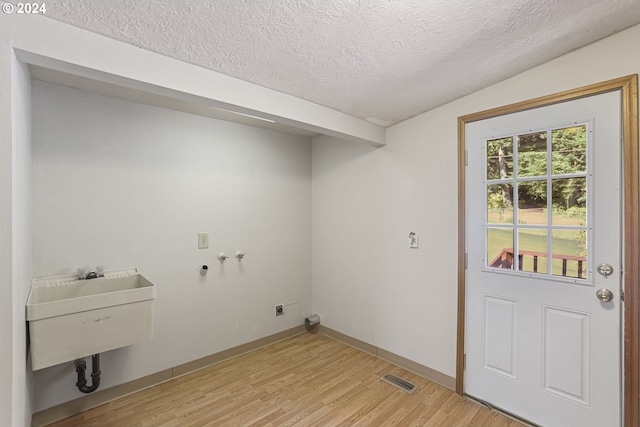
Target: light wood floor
(307, 380)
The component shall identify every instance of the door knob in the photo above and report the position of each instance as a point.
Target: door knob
(604, 295)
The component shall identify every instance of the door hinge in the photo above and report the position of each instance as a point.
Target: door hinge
(622, 295)
(466, 158)
(466, 260)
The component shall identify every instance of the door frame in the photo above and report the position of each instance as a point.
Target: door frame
(630, 233)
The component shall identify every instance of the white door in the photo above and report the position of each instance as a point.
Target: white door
(543, 212)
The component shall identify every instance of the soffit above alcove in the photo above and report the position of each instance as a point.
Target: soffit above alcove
(143, 97)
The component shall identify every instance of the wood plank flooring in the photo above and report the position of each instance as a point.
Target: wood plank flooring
(307, 380)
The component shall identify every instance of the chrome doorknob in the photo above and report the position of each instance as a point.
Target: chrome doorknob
(604, 295)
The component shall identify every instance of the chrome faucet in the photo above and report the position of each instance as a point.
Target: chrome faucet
(83, 274)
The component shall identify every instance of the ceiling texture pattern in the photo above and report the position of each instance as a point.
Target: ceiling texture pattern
(380, 60)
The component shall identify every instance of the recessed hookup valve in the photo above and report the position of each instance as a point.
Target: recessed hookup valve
(81, 367)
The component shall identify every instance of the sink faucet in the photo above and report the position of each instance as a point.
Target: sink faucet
(83, 274)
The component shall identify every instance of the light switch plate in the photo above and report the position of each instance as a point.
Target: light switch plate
(203, 240)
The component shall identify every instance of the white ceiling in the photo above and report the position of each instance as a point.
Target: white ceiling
(380, 60)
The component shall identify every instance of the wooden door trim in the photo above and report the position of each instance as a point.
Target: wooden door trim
(631, 227)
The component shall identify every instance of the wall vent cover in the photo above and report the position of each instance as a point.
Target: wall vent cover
(399, 382)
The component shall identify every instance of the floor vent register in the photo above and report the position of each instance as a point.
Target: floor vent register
(399, 382)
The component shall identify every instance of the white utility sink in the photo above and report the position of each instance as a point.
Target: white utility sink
(70, 318)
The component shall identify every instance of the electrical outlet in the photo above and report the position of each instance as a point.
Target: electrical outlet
(203, 240)
(279, 310)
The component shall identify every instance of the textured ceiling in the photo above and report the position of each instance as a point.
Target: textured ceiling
(381, 60)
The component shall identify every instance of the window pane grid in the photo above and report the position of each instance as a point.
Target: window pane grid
(536, 202)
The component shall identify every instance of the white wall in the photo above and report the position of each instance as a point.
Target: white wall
(21, 218)
(15, 240)
(124, 184)
(6, 234)
(6, 279)
(367, 283)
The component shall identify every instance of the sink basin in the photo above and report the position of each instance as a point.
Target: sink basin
(70, 318)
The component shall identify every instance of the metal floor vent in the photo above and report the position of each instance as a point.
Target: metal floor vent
(399, 382)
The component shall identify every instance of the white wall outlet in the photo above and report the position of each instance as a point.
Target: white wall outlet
(203, 240)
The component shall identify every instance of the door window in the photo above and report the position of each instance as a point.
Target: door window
(537, 187)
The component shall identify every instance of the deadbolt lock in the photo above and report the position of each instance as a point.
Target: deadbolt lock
(605, 269)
